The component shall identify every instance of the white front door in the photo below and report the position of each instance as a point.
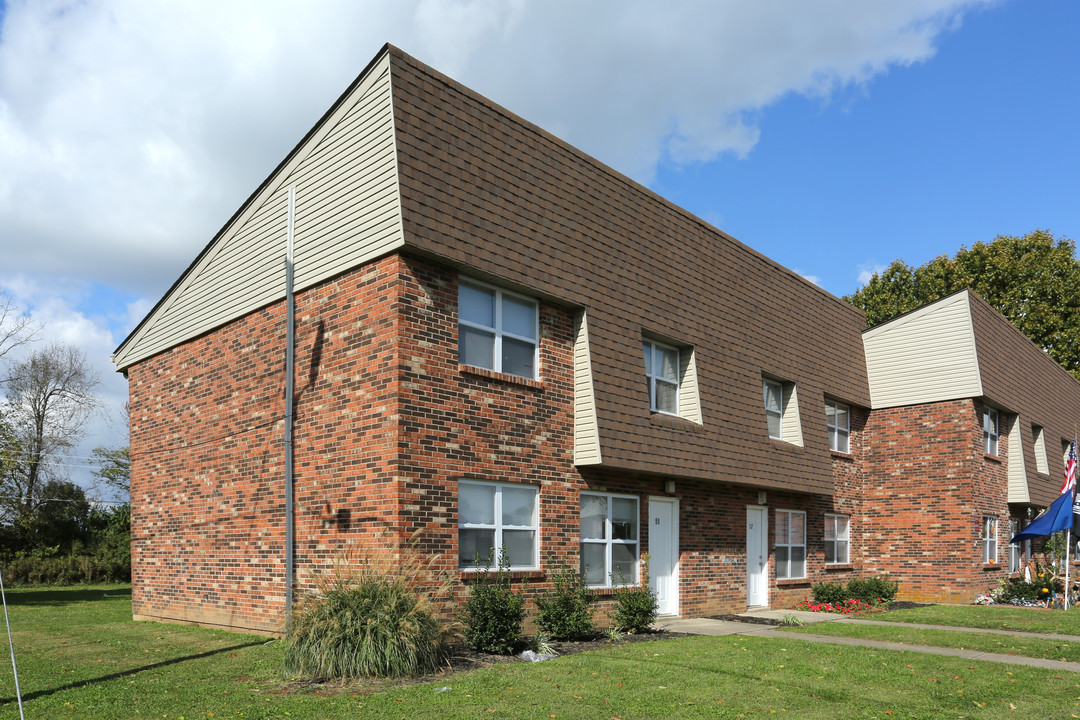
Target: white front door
(664, 553)
(757, 556)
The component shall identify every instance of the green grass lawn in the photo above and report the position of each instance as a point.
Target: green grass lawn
(994, 617)
(81, 656)
(1033, 620)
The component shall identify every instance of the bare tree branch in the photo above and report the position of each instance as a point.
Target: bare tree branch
(16, 328)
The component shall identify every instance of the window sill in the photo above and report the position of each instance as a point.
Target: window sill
(785, 445)
(837, 455)
(992, 458)
(991, 566)
(603, 592)
(839, 567)
(469, 575)
(673, 421)
(794, 582)
(502, 377)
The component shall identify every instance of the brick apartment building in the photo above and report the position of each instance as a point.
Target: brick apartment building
(502, 342)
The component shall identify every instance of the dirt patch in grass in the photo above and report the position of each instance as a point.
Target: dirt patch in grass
(464, 659)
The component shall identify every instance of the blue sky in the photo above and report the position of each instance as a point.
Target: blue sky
(831, 135)
(980, 140)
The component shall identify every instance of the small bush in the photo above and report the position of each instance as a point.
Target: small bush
(377, 617)
(829, 592)
(635, 605)
(873, 590)
(566, 612)
(493, 612)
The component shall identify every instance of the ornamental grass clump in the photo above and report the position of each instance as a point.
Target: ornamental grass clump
(380, 617)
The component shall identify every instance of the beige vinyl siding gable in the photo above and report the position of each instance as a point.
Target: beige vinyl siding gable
(1018, 485)
(791, 422)
(347, 211)
(586, 433)
(926, 356)
(689, 397)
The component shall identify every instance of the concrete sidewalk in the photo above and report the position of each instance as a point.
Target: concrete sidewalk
(709, 626)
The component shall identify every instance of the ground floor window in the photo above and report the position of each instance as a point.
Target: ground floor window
(1016, 560)
(609, 539)
(790, 544)
(837, 539)
(497, 515)
(989, 539)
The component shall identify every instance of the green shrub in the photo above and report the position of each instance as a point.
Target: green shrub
(635, 605)
(493, 612)
(566, 612)
(873, 590)
(378, 617)
(829, 592)
(65, 570)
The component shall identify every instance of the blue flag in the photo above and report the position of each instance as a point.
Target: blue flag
(1059, 516)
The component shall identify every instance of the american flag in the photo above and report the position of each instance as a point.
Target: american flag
(1070, 469)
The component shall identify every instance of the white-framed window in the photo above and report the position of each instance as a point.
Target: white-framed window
(497, 515)
(662, 372)
(781, 410)
(497, 330)
(989, 539)
(609, 539)
(990, 431)
(774, 407)
(837, 539)
(1016, 551)
(838, 421)
(790, 544)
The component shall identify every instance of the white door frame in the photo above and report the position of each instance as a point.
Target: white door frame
(757, 568)
(671, 607)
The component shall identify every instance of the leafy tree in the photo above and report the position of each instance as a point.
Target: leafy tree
(113, 467)
(1033, 280)
(50, 396)
(62, 517)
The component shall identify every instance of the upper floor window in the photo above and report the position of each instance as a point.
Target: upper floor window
(774, 407)
(838, 421)
(781, 410)
(1039, 438)
(497, 330)
(662, 372)
(497, 516)
(990, 431)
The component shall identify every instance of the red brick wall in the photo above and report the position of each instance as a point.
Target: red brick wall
(928, 485)
(387, 423)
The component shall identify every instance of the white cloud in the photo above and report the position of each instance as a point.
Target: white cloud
(806, 276)
(131, 130)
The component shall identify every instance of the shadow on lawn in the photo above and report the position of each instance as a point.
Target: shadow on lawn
(126, 673)
(63, 596)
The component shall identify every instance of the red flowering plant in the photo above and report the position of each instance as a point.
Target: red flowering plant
(849, 607)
